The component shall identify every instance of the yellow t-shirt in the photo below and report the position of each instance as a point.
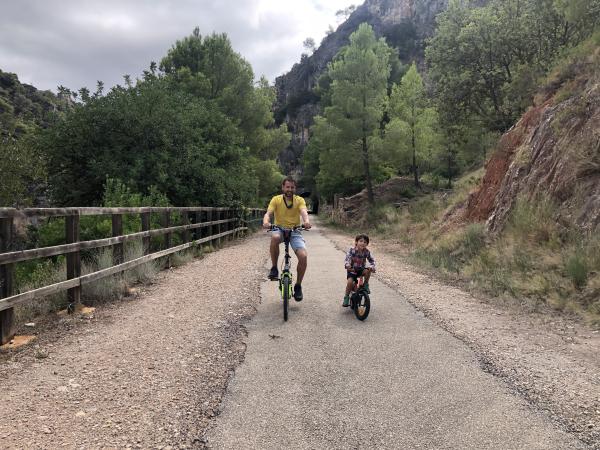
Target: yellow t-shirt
(286, 217)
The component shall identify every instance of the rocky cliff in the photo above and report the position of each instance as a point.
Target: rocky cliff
(404, 23)
(553, 152)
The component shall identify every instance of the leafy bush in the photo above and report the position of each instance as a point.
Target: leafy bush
(533, 220)
(473, 240)
(577, 268)
(423, 210)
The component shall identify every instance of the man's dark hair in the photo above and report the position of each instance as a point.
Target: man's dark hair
(362, 236)
(290, 179)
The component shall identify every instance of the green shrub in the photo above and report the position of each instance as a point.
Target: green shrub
(473, 240)
(577, 269)
(534, 220)
(382, 214)
(522, 259)
(423, 210)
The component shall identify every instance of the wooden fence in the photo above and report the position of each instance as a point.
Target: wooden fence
(199, 225)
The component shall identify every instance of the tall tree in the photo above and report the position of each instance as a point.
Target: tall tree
(359, 77)
(412, 120)
(487, 60)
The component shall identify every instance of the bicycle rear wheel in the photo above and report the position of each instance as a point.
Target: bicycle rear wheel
(362, 306)
(286, 287)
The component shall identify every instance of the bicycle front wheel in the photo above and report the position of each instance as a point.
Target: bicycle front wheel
(285, 294)
(362, 306)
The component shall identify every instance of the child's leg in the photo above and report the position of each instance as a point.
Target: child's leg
(349, 285)
(367, 275)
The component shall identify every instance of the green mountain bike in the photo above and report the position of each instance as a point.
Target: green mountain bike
(285, 280)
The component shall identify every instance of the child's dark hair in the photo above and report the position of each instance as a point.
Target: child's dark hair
(362, 236)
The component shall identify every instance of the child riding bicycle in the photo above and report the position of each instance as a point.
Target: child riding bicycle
(355, 263)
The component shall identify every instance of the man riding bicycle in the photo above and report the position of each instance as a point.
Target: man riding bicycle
(288, 208)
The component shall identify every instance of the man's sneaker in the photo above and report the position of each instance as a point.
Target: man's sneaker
(366, 288)
(273, 273)
(298, 293)
(346, 301)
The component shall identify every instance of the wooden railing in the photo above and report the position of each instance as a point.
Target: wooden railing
(199, 225)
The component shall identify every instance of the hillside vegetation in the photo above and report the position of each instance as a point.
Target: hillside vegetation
(197, 129)
(527, 225)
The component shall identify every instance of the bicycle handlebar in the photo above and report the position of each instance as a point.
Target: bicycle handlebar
(277, 227)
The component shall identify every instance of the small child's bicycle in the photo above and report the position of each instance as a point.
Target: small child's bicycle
(359, 299)
(285, 280)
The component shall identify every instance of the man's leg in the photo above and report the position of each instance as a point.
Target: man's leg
(300, 270)
(274, 249)
(275, 241)
(302, 262)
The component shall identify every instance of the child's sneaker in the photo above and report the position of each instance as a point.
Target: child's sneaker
(346, 301)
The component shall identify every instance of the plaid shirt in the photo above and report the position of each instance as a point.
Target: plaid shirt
(355, 259)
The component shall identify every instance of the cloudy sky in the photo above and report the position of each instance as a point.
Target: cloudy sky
(74, 43)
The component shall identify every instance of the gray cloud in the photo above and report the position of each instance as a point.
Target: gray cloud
(75, 42)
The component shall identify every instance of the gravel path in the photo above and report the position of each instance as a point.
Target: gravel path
(148, 373)
(326, 380)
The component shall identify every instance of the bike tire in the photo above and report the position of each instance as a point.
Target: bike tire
(286, 296)
(362, 306)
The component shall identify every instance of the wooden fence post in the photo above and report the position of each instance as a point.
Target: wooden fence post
(210, 228)
(117, 230)
(228, 226)
(6, 282)
(185, 217)
(73, 262)
(219, 226)
(145, 227)
(167, 224)
(199, 233)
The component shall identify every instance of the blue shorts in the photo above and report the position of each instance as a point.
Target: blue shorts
(296, 240)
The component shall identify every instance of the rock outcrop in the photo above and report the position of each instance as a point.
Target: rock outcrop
(553, 152)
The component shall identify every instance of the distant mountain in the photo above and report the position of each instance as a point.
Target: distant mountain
(405, 24)
(23, 106)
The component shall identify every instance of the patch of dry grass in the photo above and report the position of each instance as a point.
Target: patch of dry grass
(534, 260)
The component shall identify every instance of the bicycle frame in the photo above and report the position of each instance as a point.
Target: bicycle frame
(359, 299)
(287, 258)
(285, 280)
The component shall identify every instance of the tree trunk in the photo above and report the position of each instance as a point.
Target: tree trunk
(365, 152)
(414, 155)
(449, 169)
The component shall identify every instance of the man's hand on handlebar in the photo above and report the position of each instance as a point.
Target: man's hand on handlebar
(307, 226)
(266, 225)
